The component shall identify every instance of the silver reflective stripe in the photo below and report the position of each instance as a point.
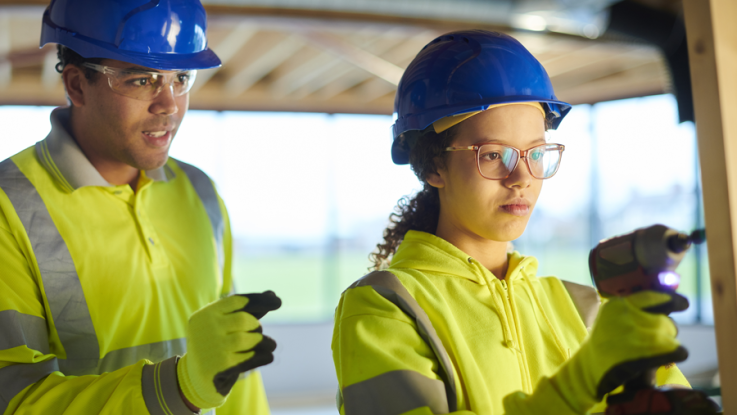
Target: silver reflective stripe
(586, 300)
(68, 306)
(161, 390)
(388, 286)
(394, 393)
(15, 378)
(18, 329)
(206, 191)
(154, 352)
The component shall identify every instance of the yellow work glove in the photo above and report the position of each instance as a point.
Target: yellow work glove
(630, 335)
(223, 340)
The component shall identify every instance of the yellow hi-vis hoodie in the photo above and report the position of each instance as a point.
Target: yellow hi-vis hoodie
(475, 340)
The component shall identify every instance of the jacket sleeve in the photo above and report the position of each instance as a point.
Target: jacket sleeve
(30, 380)
(383, 365)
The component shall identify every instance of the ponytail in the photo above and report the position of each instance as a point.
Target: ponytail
(421, 211)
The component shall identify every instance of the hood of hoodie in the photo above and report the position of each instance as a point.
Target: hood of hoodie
(426, 252)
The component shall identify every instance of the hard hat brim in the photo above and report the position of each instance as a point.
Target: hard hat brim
(406, 131)
(92, 48)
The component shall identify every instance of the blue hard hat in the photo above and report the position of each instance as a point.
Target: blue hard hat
(467, 71)
(158, 34)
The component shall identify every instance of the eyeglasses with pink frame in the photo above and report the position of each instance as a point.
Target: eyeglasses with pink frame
(521, 154)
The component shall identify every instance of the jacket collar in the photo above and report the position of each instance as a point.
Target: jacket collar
(429, 253)
(60, 154)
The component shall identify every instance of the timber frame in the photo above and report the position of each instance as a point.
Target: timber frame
(712, 48)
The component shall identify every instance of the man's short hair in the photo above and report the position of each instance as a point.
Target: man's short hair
(69, 57)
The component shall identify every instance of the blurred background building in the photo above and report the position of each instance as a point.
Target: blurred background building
(295, 131)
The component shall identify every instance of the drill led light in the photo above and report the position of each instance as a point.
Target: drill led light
(669, 279)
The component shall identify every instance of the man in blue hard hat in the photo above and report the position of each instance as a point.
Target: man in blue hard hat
(116, 259)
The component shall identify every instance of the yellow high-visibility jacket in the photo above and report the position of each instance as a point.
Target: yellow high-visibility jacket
(438, 333)
(97, 283)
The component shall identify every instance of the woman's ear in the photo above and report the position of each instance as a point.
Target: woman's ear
(435, 179)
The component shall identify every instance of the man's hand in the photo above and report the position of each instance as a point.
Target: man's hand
(223, 340)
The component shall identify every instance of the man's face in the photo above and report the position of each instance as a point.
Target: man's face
(127, 130)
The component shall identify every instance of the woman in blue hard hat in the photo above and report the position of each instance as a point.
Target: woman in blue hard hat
(456, 324)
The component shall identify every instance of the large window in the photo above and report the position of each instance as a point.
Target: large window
(627, 164)
(309, 194)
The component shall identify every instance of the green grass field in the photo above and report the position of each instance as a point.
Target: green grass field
(310, 285)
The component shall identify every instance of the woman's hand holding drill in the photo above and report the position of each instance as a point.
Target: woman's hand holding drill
(631, 334)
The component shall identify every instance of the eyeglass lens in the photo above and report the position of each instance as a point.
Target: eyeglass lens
(147, 86)
(498, 161)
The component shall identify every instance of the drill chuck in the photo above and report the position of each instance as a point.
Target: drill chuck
(641, 260)
(681, 242)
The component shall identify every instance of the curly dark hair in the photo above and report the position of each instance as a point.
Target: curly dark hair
(69, 57)
(421, 211)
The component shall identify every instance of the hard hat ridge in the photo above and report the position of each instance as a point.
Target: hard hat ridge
(158, 34)
(467, 71)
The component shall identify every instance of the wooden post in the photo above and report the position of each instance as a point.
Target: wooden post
(711, 28)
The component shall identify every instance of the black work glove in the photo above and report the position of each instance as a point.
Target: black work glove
(258, 305)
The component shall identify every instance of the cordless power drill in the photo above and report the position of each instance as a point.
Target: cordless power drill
(646, 259)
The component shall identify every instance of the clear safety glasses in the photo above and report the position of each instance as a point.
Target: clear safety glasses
(498, 161)
(145, 85)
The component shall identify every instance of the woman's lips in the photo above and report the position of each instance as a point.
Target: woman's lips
(516, 210)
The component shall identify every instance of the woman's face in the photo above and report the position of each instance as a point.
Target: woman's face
(495, 210)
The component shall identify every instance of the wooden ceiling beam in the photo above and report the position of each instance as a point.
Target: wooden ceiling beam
(256, 12)
(308, 71)
(403, 53)
(259, 98)
(28, 57)
(337, 69)
(263, 65)
(640, 81)
(372, 90)
(376, 46)
(226, 50)
(304, 74)
(359, 57)
(603, 70)
(344, 81)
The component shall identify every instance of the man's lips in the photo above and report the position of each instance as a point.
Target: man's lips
(157, 138)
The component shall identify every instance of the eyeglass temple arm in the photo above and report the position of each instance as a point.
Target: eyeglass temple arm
(461, 148)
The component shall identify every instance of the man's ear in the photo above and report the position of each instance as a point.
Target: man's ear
(73, 78)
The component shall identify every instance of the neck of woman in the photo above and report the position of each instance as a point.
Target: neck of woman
(491, 254)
